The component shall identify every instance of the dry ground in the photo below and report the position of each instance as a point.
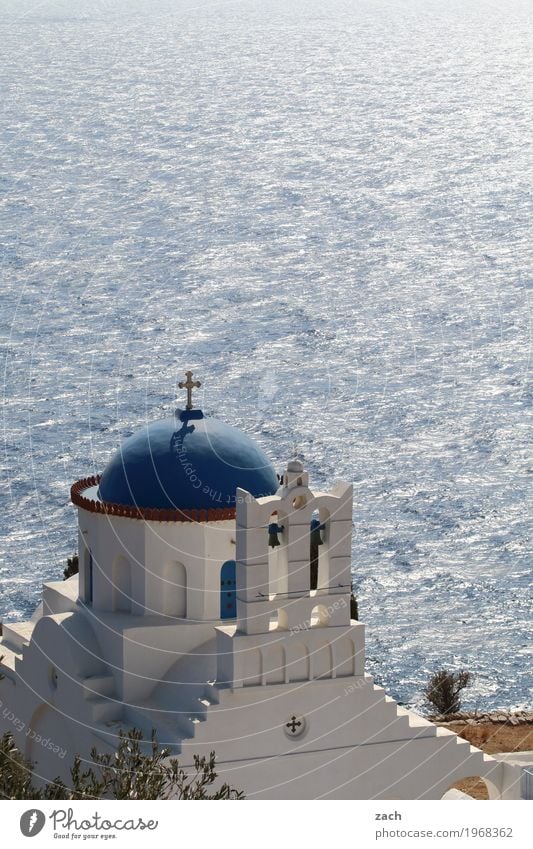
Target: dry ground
(491, 737)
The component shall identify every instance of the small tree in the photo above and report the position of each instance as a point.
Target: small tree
(443, 690)
(127, 773)
(73, 567)
(15, 772)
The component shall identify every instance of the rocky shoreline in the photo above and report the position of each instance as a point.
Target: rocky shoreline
(476, 717)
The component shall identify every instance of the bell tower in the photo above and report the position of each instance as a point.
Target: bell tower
(286, 630)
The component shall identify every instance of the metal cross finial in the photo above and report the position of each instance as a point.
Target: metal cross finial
(189, 385)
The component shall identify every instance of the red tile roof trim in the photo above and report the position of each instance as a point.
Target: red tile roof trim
(215, 514)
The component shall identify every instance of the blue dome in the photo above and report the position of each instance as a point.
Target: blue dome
(188, 462)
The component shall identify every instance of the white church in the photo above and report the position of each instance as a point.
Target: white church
(202, 610)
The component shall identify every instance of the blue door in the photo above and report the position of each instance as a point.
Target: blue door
(228, 591)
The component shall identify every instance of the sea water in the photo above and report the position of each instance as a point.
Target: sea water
(323, 208)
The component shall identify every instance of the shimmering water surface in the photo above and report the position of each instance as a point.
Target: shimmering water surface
(323, 208)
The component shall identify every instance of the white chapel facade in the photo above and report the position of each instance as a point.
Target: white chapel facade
(212, 604)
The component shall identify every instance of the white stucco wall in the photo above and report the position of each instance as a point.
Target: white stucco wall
(156, 554)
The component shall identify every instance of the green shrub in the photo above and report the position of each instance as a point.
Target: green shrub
(443, 690)
(127, 773)
(73, 567)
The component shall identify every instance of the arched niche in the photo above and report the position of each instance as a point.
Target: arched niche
(344, 652)
(174, 590)
(321, 660)
(274, 665)
(298, 662)
(121, 584)
(253, 668)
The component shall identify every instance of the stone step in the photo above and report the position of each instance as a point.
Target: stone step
(415, 721)
(16, 635)
(203, 707)
(166, 736)
(461, 741)
(213, 693)
(445, 732)
(186, 726)
(198, 716)
(105, 710)
(98, 685)
(173, 726)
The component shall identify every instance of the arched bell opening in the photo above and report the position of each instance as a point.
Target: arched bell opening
(278, 571)
(299, 501)
(319, 616)
(324, 576)
(279, 621)
(315, 541)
